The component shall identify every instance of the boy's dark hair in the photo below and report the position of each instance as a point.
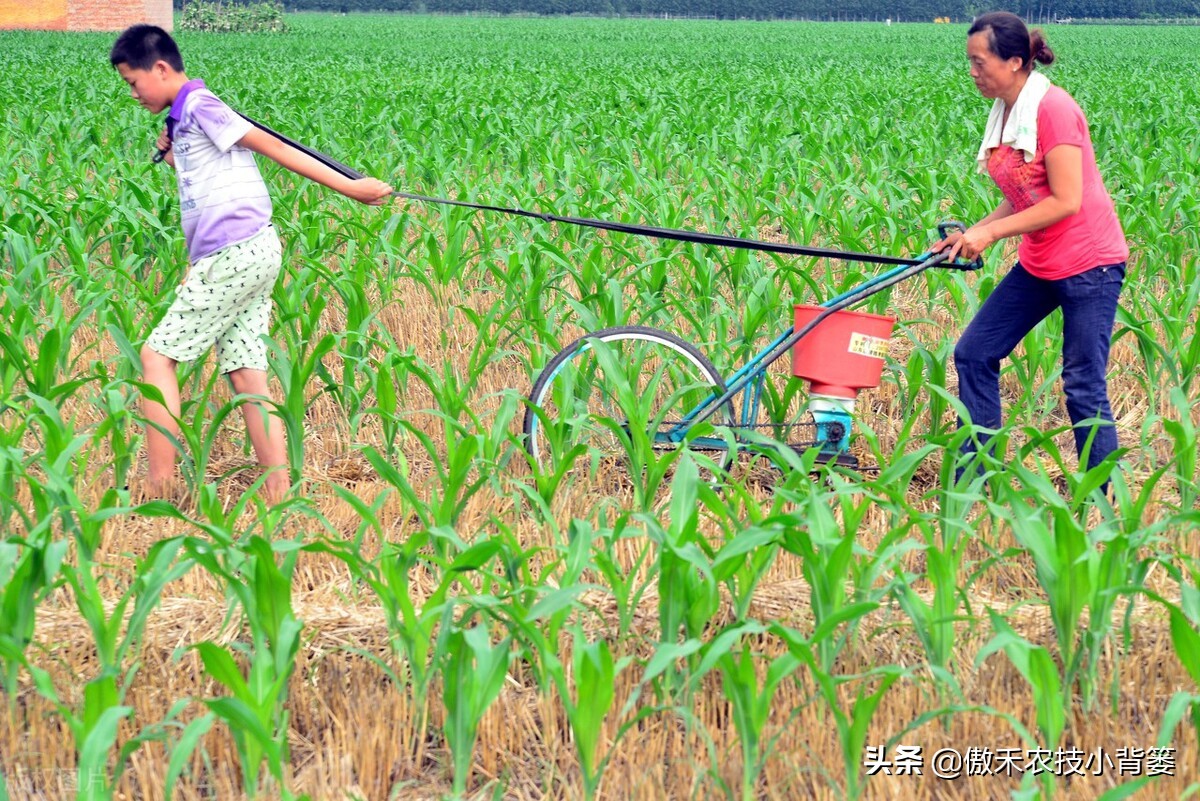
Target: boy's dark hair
(140, 46)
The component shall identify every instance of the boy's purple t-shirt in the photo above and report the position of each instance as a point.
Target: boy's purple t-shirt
(222, 197)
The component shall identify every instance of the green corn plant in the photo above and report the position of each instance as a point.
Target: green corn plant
(294, 371)
(647, 467)
(852, 724)
(934, 620)
(688, 594)
(538, 602)
(605, 306)
(182, 748)
(448, 252)
(1183, 618)
(249, 709)
(12, 462)
(1158, 322)
(128, 367)
(1038, 373)
(623, 582)
(396, 473)
(839, 572)
(60, 451)
(826, 558)
(496, 329)
(1157, 358)
(1037, 667)
(532, 282)
(548, 481)
(923, 374)
(742, 561)
(1182, 703)
(1184, 440)
(595, 677)
(473, 459)
(469, 452)
(10, 388)
(199, 426)
(40, 508)
(117, 638)
(50, 477)
(29, 571)
(349, 389)
(751, 700)
(254, 710)
(94, 727)
(74, 262)
(418, 629)
(536, 614)
(457, 474)
(359, 335)
(40, 375)
(368, 516)
(390, 381)
(300, 305)
(1078, 569)
(473, 672)
(944, 535)
(246, 566)
(117, 427)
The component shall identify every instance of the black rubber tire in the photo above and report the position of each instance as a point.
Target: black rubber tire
(702, 377)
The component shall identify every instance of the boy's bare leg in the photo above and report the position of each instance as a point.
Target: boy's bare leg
(159, 370)
(265, 430)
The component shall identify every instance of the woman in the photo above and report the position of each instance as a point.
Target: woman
(1072, 252)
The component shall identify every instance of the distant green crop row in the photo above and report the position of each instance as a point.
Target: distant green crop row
(845, 136)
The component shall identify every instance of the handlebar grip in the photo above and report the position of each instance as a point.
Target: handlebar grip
(944, 228)
(965, 266)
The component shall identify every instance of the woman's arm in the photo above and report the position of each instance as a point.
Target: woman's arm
(371, 191)
(1064, 174)
(1002, 211)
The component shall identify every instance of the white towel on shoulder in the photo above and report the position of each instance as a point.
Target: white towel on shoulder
(1020, 132)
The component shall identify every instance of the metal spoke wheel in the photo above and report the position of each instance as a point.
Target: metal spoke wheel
(618, 392)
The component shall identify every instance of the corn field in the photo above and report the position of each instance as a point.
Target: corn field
(430, 614)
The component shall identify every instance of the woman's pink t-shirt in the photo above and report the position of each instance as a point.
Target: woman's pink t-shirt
(1089, 238)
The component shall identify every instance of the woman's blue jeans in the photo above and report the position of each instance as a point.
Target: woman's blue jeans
(1020, 302)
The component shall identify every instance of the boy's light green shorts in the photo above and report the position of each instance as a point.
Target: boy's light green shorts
(226, 300)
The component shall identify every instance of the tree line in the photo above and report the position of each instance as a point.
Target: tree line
(898, 10)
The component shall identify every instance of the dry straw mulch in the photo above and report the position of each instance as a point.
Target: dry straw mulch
(355, 734)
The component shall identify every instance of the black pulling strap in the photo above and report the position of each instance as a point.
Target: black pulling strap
(626, 228)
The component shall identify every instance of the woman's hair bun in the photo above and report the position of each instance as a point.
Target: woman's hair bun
(1039, 51)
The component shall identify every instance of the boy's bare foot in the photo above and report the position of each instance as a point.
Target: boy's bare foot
(276, 488)
(153, 489)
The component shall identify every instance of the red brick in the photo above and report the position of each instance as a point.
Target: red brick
(85, 15)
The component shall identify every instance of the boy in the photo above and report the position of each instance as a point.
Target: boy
(233, 250)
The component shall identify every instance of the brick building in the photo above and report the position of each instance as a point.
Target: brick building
(84, 15)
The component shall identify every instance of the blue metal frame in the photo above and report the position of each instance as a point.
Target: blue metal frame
(748, 379)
